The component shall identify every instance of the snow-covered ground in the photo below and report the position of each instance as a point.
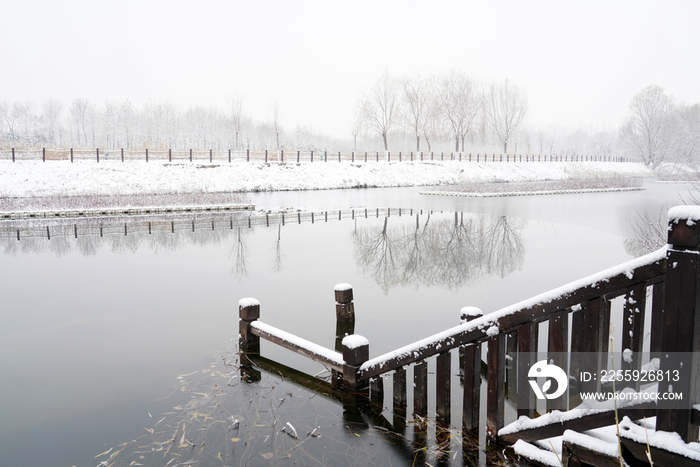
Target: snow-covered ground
(37, 179)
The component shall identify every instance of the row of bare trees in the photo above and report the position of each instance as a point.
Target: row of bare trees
(451, 106)
(156, 125)
(660, 130)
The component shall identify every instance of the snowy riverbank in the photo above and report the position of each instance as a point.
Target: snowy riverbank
(37, 179)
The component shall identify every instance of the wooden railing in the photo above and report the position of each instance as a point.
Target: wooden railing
(667, 280)
(282, 156)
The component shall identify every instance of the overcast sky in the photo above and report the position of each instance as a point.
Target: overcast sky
(580, 62)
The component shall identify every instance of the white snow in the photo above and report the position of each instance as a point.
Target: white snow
(354, 341)
(527, 193)
(342, 287)
(536, 454)
(86, 178)
(471, 311)
(692, 213)
(627, 355)
(248, 301)
(661, 439)
(593, 443)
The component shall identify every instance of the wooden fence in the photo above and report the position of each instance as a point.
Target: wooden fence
(667, 280)
(282, 156)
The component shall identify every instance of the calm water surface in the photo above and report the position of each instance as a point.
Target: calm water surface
(96, 330)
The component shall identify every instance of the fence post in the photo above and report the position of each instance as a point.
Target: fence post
(247, 155)
(338, 156)
(43, 154)
(388, 156)
(13, 154)
(190, 155)
(170, 155)
(146, 154)
(265, 155)
(248, 311)
(71, 156)
(229, 155)
(282, 155)
(680, 333)
(355, 353)
(344, 321)
(98, 154)
(325, 156)
(122, 152)
(210, 155)
(298, 152)
(312, 155)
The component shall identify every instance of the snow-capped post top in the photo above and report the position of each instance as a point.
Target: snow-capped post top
(355, 350)
(248, 309)
(343, 293)
(469, 313)
(683, 228)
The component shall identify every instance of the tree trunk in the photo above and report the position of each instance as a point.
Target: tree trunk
(417, 142)
(456, 143)
(386, 144)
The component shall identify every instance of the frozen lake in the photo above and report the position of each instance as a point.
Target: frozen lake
(95, 332)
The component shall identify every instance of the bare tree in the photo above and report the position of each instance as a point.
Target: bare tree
(379, 107)
(236, 106)
(12, 115)
(649, 129)
(275, 121)
(415, 108)
(50, 112)
(689, 133)
(79, 115)
(459, 101)
(505, 107)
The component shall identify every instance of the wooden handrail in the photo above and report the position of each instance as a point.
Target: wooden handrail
(610, 283)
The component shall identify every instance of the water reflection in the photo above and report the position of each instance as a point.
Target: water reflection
(444, 252)
(435, 250)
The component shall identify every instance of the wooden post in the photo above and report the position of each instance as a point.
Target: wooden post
(229, 156)
(680, 336)
(338, 156)
(247, 155)
(442, 387)
(312, 155)
(71, 156)
(325, 156)
(248, 311)
(210, 155)
(557, 348)
(298, 156)
(420, 388)
(527, 356)
(355, 353)
(282, 155)
(472, 373)
(190, 155)
(170, 155)
(98, 154)
(495, 400)
(43, 154)
(265, 155)
(122, 151)
(13, 155)
(146, 155)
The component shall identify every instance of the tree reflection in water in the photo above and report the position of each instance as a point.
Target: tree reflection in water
(446, 253)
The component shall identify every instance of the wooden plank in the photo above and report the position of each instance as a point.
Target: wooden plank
(633, 330)
(657, 317)
(420, 388)
(400, 388)
(574, 454)
(512, 321)
(495, 399)
(588, 422)
(442, 386)
(527, 356)
(297, 349)
(557, 350)
(659, 456)
(472, 387)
